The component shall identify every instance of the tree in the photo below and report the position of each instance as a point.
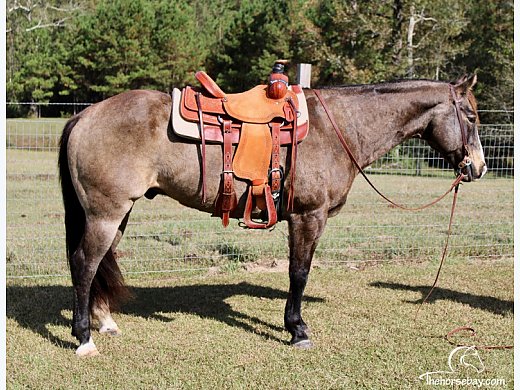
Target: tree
(490, 54)
(181, 43)
(87, 50)
(432, 37)
(110, 49)
(135, 44)
(363, 42)
(260, 33)
(35, 51)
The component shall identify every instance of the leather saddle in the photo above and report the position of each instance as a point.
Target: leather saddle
(258, 122)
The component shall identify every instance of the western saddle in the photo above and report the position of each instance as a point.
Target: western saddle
(258, 121)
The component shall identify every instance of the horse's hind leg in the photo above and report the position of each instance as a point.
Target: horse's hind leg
(96, 242)
(100, 310)
(304, 232)
(101, 313)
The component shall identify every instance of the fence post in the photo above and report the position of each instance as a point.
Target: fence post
(303, 75)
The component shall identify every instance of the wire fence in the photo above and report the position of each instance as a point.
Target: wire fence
(163, 236)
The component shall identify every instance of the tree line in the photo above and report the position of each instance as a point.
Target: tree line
(88, 50)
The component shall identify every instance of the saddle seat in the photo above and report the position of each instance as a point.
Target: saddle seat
(253, 106)
(258, 125)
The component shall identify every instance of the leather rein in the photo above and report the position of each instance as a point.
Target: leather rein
(463, 165)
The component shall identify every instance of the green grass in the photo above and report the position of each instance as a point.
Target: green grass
(226, 330)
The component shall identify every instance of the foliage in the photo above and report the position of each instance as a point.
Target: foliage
(36, 52)
(86, 50)
(259, 33)
(490, 52)
(127, 44)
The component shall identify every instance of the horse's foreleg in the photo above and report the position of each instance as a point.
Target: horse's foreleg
(304, 232)
(97, 240)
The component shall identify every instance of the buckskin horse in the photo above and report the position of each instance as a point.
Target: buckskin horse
(123, 148)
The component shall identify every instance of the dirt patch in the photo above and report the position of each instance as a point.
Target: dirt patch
(275, 266)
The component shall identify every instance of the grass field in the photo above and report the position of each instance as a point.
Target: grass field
(225, 331)
(215, 325)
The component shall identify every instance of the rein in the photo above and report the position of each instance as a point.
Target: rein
(343, 142)
(473, 334)
(464, 164)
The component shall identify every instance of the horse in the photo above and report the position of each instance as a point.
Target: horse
(123, 148)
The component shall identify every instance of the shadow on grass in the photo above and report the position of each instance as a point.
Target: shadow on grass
(36, 307)
(482, 302)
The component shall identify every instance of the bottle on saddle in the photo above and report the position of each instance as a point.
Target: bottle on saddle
(278, 81)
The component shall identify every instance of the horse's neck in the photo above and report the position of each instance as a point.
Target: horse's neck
(376, 118)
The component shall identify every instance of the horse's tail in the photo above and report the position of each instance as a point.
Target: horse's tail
(108, 286)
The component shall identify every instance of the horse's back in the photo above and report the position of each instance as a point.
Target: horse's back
(141, 108)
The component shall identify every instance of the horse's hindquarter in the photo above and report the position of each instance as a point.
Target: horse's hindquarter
(112, 148)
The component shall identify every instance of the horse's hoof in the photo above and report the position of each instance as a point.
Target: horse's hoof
(110, 331)
(87, 349)
(307, 330)
(303, 344)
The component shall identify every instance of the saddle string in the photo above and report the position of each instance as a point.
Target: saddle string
(294, 152)
(203, 146)
(354, 161)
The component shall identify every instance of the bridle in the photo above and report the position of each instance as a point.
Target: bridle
(466, 161)
(464, 165)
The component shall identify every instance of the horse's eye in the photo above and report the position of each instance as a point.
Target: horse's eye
(471, 117)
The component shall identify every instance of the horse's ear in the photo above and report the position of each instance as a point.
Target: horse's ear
(460, 80)
(466, 83)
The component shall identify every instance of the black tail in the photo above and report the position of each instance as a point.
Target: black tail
(108, 285)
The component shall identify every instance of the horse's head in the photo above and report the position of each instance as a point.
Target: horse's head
(453, 130)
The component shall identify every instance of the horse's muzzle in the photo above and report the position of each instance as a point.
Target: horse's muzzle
(470, 170)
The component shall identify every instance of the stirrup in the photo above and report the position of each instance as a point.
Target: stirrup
(271, 210)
